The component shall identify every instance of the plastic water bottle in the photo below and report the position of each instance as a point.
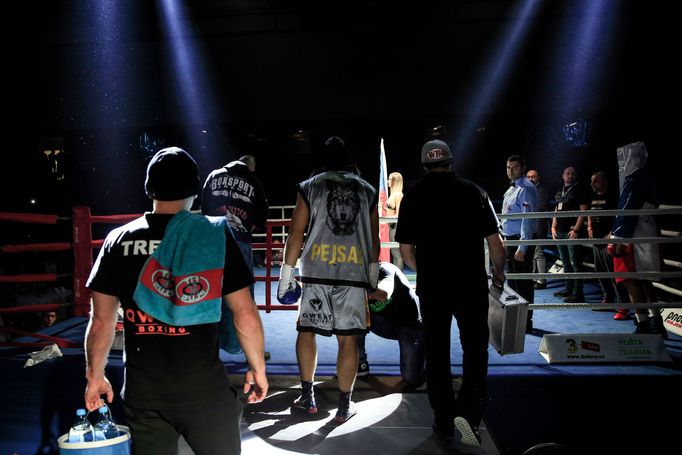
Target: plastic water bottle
(81, 430)
(105, 428)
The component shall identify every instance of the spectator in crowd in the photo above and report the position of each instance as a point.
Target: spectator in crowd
(520, 197)
(48, 318)
(572, 196)
(539, 259)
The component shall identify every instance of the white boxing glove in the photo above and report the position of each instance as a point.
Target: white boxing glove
(373, 275)
(288, 290)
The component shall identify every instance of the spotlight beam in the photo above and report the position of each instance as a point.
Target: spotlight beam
(494, 75)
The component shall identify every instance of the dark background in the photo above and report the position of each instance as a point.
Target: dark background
(361, 69)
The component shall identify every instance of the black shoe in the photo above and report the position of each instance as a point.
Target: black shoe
(562, 293)
(657, 326)
(363, 369)
(540, 285)
(643, 327)
(305, 404)
(346, 411)
(574, 299)
(446, 432)
(469, 434)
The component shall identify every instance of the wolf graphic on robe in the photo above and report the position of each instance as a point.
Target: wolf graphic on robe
(343, 207)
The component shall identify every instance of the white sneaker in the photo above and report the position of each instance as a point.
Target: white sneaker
(468, 435)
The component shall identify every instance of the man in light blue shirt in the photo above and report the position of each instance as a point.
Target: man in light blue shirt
(521, 197)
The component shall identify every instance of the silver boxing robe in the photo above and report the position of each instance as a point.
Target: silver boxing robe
(338, 243)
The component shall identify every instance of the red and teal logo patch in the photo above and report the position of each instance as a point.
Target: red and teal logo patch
(182, 290)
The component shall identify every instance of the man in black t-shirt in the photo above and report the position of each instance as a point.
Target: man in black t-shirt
(425, 225)
(175, 383)
(572, 196)
(394, 314)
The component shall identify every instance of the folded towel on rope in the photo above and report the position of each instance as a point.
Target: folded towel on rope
(181, 283)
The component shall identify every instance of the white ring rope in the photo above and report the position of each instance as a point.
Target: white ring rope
(668, 237)
(602, 306)
(574, 213)
(592, 275)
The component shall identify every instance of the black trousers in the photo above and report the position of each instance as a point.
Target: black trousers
(208, 429)
(438, 308)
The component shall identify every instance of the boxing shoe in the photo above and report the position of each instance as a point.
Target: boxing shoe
(346, 410)
(562, 293)
(622, 314)
(305, 404)
(288, 289)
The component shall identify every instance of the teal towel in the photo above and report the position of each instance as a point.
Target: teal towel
(181, 282)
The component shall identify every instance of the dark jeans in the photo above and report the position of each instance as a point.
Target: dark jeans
(208, 429)
(411, 342)
(471, 314)
(572, 258)
(539, 260)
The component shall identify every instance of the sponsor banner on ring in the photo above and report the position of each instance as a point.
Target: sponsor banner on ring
(672, 320)
(603, 347)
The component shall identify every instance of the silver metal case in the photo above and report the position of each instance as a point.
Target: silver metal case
(507, 313)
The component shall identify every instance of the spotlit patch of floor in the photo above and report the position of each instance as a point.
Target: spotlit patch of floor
(369, 412)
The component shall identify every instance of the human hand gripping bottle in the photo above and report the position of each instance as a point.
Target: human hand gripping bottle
(81, 430)
(105, 428)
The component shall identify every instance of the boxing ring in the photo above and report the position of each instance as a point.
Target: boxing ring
(516, 382)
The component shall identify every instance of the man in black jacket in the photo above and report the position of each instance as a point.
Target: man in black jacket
(233, 191)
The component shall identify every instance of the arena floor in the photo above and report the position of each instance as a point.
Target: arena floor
(584, 408)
